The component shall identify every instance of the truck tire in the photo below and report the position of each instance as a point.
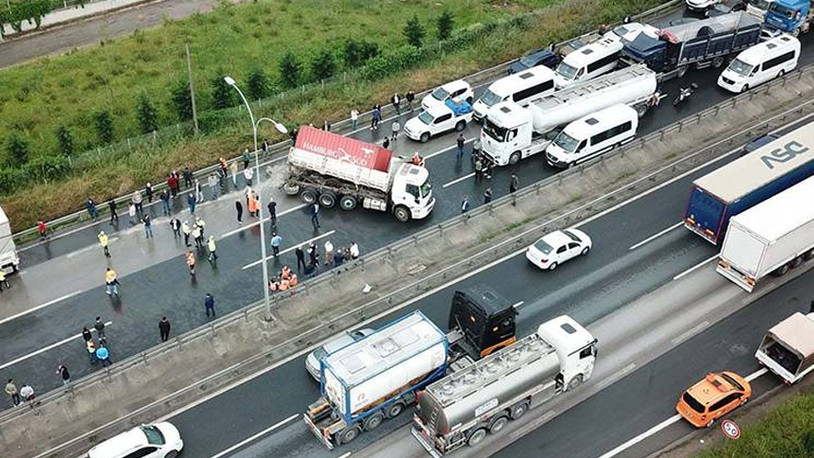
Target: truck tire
(460, 126)
(347, 202)
(498, 424)
(402, 213)
(552, 266)
(809, 255)
(795, 263)
(681, 71)
(476, 437)
(575, 382)
(717, 62)
(395, 410)
(348, 435)
(514, 158)
(782, 270)
(309, 196)
(327, 199)
(372, 422)
(518, 410)
(425, 137)
(641, 109)
(291, 189)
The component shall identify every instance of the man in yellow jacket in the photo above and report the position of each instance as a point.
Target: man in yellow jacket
(103, 241)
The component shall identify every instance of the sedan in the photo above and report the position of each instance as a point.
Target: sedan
(159, 440)
(557, 247)
(312, 362)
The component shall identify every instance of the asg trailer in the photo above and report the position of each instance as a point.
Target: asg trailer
(772, 237)
(745, 182)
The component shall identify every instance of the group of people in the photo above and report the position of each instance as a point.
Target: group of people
(25, 393)
(97, 348)
(284, 281)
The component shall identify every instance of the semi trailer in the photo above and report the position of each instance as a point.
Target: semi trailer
(9, 259)
(788, 348)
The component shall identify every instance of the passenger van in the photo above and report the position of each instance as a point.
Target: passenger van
(588, 62)
(761, 63)
(518, 88)
(593, 135)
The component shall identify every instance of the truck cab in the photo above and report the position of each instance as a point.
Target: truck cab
(9, 260)
(438, 119)
(508, 134)
(790, 16)
(411, 193)
(484, 319)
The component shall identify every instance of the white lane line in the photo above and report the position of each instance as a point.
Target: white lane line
(249, 226)
(518, 305)
(442, 151)
(52, 302)
(43, 350)
(458, 180)
(618, 375)
(260, 434)
(695, 267)
(294, 247)
(757, 374)
(89, 247)
(345, 455)
(689, 333)
(654, 237)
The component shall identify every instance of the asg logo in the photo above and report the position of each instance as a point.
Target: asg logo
(784, 154)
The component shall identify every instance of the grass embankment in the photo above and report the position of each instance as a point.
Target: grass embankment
(67, 90)
(785, 432)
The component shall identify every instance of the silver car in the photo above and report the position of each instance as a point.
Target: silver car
(348, 337)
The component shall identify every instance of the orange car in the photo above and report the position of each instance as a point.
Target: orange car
(713, 397)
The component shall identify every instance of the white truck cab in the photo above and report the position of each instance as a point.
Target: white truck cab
(438, 119)
(9, 260)
(508, 134)
(576, 348)
(411, 190)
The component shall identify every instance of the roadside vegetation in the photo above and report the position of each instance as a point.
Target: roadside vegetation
(65, 122)
(787, 431)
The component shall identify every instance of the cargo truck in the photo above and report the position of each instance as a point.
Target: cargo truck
(790, 16)
(745, 182)
(332, 169)
(699, 44)
(772, 237)
(9, 260)
(378, 376)
(461, 408)
(788, 348)
(511, 133)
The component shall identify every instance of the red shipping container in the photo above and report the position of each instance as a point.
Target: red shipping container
(344, 149)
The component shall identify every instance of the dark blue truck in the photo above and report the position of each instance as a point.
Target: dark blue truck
(745, 182)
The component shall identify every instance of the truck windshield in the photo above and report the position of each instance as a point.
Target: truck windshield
(528, 61)
(566, 142)
(740, 67)
(566, 71)
(489, 98)
(494, 131)
(762, 5)
(426, 118)
(783, 10)
(440, 94)
(426, 188)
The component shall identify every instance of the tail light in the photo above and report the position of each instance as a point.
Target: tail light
(543, 260)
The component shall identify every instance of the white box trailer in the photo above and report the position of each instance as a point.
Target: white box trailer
(9, 260)
(788, 348)
(771, 237)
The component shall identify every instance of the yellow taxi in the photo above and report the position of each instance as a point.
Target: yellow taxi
(713, 397)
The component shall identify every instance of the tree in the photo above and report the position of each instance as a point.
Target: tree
(104, 126)
(223, 96)
(65, 139)
(323, 65)
(181, 100)
(414, 31)
(359, 52)
(146, 114)
(17, 150)
(445, 24)
(258, 84)
(290, 69)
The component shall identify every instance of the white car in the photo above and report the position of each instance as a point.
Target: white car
(628, 32)
(700, 5)
(557, 247)
(159, 440)
(437, 120)
(456, 90)
(312, 364)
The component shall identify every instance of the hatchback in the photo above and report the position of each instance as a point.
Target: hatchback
(557, 247)
(713, 397)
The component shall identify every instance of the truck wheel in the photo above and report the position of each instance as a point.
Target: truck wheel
(744, 88)
(498, 424)
(374, 421)
(575, 382)
(809, 255)
(476, 437)
(348, 435)
(681, 71)
(519, 410)
(425, 137)
(395, 410)
(514, 158)
(795, 263)
(717, 62)
(347, 202)
(327, 199)
(309, 196)
(641, 109)
(291, 189)
(460, 126)
(782, 270)
(402, 213)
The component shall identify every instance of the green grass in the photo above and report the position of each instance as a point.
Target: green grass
(786, 431)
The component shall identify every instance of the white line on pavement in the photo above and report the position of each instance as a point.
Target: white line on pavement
(294, 247)
(654, 237)
(43, 350)
(249, 226)
(758, 373)
(618, 375)
(518, 305)
(695, 267)
(442, 151)
(88, 248)
(691, 332)
(4, 320)
(345, 455)
(260, 434)
(458, 180)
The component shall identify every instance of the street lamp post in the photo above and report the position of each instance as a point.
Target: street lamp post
(281, 128)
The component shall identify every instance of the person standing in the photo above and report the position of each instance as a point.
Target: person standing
(103, 355)
(3, 280)
(248, 174)
(315, 215)
(209, 304)
(11, 391)
(90, 346)
(410, 96)
(191, 202)
(172, 183)
(239, 209)
(111, 205)
(329, 252)
(148, 226)
(186, 230)
(90, 205)
(396, 101)
(131, 210)
(233, 171)
(210, 244)
(198, 193)
(42, 229)
(354, 118)
(376, 117)
(396, 127)
(63, 373)
(103, 242)
(138, 200)
(164, 328)
(149, 191)
(300, 257)
(99, 326)
(460, 142)
(213, 185)
(246, 157)
(197, 235)
(313, 255)
(514, 183)
(187, 177)
(326, 126)
(386, 143)
(478, 169)
(465, 205)
(487, 196)
(252, 205)
(165, 202)
(175, 224)
(86, 335)
(272, 207)
(354, 250)
(27, 393)
(190, 258)
(111, 283)
(276, 241)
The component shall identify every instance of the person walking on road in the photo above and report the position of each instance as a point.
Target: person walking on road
(514, 183)
(190, 258)
(272, 207)
(99, 326)
(90, 346)
(354, 118)
(64, 375)
(395, 127)
(90, 205)
(209, 304)
(149, 191)
(276, 241)
(315, 215)
(111, 282)
(3, 280)
(186, 229)
(329, 252)
(376, 118)
(164, 328)
(465, 205)
(103, 242)
(199, 197)
(175, 224)
(111, 205)
(187, 177)
(487, 196)
(27, 393)
(131, 210)
(396, 101)
(410, 96)
(165, 202)
(198, 236)
(248, 174)
(300, 257)
(148, 226)
(86, 334)
(138, 200)
(213, 185)
(103, 355)
(191, 202)
(233, 172)
(210, 244)
(460, 143)
(239, 208)
(11, 391)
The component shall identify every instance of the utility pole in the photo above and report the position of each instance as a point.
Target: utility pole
(192, 92)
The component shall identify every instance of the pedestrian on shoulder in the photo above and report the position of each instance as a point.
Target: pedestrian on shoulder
(187, 177)
(386, 143)
(99, 325)
(395, 128)
(3, 280)
(209, 304)
(11, 391)
(131, 210)
(487, 196)
(111, 206)
(326, 126)
(248, 174)
(272, 207)
(329, 252)
(175, 224)
(460, 143)
(396, 101)
(354, 118)
(63, 373)
(86, 335)
(199, 197)
(138, 200)
(354, 250)
(514, 183)
(191, 202)
(111, 282)
(213, 185)
(103, 355)
(42, 229)
(27, 393)
(465, 205)
(233, 172)
(90, 346)
(198, 236)
(172, 183)
(315, 215)
(90, 205)
(103, 242)
(187, 231)
(165, 202)
(300, 257)
(190, 258)
(210, 244)
(239, 208)
(276, 242)
(246, 157)
(410, 96)
(149, 191)
(164, 328)
(148, 226)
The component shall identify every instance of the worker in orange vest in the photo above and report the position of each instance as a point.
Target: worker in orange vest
(253, 205)
(293, 282)
(283, 284)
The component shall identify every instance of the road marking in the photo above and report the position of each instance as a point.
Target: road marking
(89, 247)
(345, 455)
(294, 247)
(442, 151)
(536, 423)
(260, 434)
(43, 350)
(689, 333)
(695, 267)
(654, 237)
(518, 305)
(249, 226)
(757, 374)
(4, 320)
(618, 375)
(458, 180)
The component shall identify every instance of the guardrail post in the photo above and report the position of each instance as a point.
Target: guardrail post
(362, 264)
(415, 240)
(179, 342)
(698, 118)
(514, 199)
(536, 188)
(144, 358)
(212, 328)
(680, 125)
(441, 230)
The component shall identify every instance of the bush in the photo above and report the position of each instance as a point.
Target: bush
(399, 59)
(414, 32)
(48, 167)
(65, 140)
(17, 150)
(223, 95)
(290, 69)
(359, 52)
(445, 24)
(323, 65)
(146, 114)
(258, 84)
(104, 126)
(181, 100)
(12, 179)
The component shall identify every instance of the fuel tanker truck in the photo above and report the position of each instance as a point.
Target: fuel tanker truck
(461, 408)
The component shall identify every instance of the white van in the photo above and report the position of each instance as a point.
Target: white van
(518, 88)
(760, 63)
(593, 135)
(588, 62)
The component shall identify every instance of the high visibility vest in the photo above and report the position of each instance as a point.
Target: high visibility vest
(273, 286)
(211, 245)
(293, 282)
(286, 273)
(283, 285)
(103, 239)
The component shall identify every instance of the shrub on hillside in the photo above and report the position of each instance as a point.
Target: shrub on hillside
(324, 65)
(290, 70)
(445, 24)
(17, 150)
(181, 100)
(65, 140)
(357, 52)
(104, 126)
(146, 114)
(223, 95)
(257, 84)
(414, 32)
